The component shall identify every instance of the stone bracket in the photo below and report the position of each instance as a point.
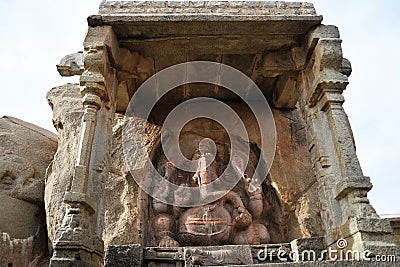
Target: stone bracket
(328, 70)
(322, 31)
(283, 62)
(128, 64)
(350, 184)
(71, 65)
(328, 53)
(286, 94)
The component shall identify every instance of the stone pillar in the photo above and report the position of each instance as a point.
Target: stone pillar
(78, 241)
(347, 212)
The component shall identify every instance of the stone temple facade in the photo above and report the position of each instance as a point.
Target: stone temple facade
(309, 209)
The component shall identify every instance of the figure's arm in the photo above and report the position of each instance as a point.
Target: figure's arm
(238, 165)
(196, 177)
(243, 218)
(241, 215)
(254, 192)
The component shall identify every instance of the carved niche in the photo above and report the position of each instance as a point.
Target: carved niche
(246, 215)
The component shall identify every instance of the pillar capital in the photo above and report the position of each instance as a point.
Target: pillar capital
(91, 99)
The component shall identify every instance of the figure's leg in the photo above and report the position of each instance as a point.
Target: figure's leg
(255, 234)
(163, 226)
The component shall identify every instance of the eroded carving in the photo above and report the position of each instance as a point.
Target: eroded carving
(233, 219)
(71, 64)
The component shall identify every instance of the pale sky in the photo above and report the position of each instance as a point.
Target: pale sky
(35, 35)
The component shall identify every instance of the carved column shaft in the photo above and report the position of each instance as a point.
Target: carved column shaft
(332, 105)
(78, 240)
(347, 209)
(92, 104)
(77, 234)
(327, 170)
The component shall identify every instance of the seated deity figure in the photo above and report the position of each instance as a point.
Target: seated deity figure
(224, 221)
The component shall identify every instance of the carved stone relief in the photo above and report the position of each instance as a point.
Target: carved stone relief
(240, 217)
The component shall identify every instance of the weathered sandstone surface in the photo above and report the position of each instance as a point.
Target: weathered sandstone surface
(122, 217)
(25, 152)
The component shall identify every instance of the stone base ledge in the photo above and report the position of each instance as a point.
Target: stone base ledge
(227, 255)
(370, 225)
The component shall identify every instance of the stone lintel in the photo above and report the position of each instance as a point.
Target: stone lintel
(113, 19)
(350, 184)
(227, 35)
(262, 26)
